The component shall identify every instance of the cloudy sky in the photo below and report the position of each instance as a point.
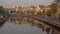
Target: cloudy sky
(10, 3)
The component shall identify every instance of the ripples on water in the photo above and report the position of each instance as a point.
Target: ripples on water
(23, 25)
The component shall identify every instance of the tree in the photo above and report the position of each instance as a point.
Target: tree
(2, 10)
(39, 13)
(54, 7)
(48, 12)
(30, 12)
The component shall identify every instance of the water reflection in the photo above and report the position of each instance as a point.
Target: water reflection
(2, 21)
(31, 22)
(20, 20)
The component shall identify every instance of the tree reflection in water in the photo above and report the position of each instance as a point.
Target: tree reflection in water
(31, 22)
(2, 22)
(48, 30)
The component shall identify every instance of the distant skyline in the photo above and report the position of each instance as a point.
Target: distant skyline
(11, 3)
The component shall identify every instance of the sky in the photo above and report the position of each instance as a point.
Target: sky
(11, 3)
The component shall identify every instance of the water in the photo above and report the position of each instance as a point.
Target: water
(23, 25)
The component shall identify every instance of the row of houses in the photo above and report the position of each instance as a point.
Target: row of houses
(37, 8)
(30, 8)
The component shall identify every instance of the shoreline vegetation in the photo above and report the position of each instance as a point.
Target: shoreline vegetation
(40, 10)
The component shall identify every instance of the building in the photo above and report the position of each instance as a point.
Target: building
(37, 9)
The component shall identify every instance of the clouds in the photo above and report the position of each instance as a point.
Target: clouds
(10, 3)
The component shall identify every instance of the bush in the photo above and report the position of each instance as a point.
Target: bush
(1, 10)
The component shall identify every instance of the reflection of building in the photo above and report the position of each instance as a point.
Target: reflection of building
(31, 22)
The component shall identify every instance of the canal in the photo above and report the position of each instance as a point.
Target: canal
(24, 25)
